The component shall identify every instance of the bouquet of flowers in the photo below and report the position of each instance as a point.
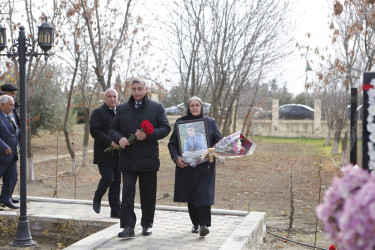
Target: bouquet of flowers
(146, 126)
(348, 210)
(234, 145)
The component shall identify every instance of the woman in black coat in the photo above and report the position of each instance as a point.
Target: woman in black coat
(195, 185)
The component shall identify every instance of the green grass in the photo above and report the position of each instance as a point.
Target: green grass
(317, 143)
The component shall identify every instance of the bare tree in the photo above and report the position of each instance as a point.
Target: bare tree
(88, 91)
(187, 46)
(69, 50)
(222, 47)
(337, 100)
(105, 41)
(343, 63)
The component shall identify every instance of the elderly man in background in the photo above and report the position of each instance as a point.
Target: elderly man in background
(11, 90)
(9, 138)
(100, 120)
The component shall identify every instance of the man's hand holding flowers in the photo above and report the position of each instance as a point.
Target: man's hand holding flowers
(123, 142)
(141, 134)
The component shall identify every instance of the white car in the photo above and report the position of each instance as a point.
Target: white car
(180, 109)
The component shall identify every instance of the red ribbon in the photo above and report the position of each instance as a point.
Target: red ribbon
(367, 86)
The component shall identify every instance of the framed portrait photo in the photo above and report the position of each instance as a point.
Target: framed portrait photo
(192, 139)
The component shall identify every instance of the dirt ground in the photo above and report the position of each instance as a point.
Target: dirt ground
(259, 182)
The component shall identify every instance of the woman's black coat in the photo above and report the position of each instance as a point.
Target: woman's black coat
(141, 155)
(195, 185)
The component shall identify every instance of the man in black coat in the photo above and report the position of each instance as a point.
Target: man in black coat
(141, 158)
(100, 121)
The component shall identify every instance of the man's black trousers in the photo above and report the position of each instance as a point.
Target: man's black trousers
(147, 189)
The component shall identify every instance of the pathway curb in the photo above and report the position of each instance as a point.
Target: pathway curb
(249, 234)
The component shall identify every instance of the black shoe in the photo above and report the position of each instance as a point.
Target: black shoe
(11, 205)
(96, 206)
(203, 231)
(115, 214)
(15, 201)
(128, 232)
(195, 229)
(146, 231)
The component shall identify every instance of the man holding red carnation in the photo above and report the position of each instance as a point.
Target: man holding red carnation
(145, 120)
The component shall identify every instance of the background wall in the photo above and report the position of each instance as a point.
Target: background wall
(316, 128)
(295, 128)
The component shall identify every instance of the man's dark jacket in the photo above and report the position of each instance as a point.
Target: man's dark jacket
(141, 155)
(100, 121)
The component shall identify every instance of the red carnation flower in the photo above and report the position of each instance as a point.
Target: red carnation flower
(147, 127)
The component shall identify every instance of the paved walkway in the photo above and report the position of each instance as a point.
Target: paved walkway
(171, 230)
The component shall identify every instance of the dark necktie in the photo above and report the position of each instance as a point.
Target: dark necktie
(137, 105)
(114, 111)
(12, 123)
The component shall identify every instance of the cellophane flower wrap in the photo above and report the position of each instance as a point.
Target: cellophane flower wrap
(234, 145)
(146, 127)
(348, 210)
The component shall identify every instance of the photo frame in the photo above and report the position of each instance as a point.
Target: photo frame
(192, 139)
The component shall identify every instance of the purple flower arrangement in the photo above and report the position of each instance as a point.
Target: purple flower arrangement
(348, 210)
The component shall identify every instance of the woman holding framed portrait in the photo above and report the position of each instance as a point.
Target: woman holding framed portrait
(191, 136)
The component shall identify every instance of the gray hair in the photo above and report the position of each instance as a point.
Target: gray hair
(195, 98)
(105, 92)
(138, 80)
(5, 99)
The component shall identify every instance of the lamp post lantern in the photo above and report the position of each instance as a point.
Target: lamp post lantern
(22, 49)
(45, 36)
(3, 38)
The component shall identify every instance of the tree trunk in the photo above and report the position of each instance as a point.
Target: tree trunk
(248, 128)
(85, 158)
(66, 117)
(235, 117)
(326, 142)
(344, 144)
(29, 158)
(336, 142)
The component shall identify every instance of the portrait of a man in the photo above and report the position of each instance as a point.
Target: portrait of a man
(195, 141)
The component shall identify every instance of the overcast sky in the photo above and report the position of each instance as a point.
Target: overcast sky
(311, 17)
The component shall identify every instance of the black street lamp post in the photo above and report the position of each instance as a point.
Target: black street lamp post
(23, 50)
